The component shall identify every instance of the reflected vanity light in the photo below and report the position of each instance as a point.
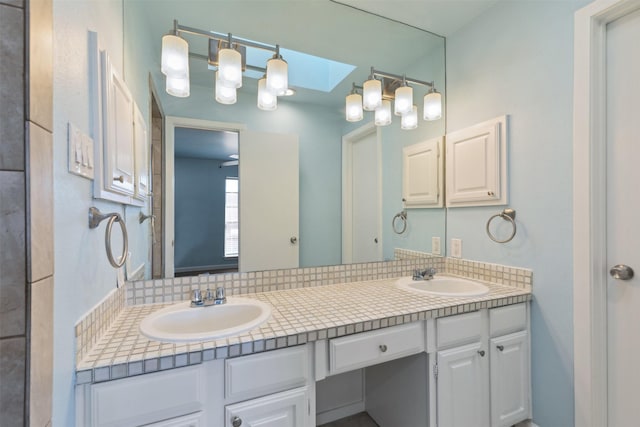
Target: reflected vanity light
(377, 91)
(228, 58)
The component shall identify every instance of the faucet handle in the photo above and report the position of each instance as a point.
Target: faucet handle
(209, 294)
(220, 292)
(196, 297)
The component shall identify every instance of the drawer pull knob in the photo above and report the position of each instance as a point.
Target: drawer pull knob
(481, 353)
(383, 348)
(500, 347)
(236, 421)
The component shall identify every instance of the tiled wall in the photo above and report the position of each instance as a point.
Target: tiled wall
(26, 212)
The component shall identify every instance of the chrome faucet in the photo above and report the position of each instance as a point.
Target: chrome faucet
(424, 274)
(197, 300)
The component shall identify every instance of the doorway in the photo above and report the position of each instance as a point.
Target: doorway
(606, 143)
(361, 196)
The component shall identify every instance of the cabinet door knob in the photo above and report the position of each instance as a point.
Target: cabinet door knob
(383, 348)
(490, 193)
(481, 353)
(236, 421)
(120, 179)
(293, 240)
(500, 347)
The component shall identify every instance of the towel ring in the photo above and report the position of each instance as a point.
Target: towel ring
(403, 217)
(507, 215)
(95, 218)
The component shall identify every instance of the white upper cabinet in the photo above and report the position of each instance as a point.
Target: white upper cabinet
(119, 131)
(117, 102)
(422, 174)
(477, 165)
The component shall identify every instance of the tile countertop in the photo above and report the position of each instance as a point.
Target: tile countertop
(298, 316)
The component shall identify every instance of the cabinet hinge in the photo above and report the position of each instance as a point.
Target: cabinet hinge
(435, 371)
(309, 407)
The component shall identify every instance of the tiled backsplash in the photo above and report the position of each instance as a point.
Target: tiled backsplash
(91, 327)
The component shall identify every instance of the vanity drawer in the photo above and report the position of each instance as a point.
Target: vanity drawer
(260, 374)
(460, 329)
(505, 320)
(369, 348)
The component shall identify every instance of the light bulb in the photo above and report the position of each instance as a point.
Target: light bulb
(410, 120)
(225, 94)
(354, 107)
(277, 76)
(432, 105)
(230, 67)
(178, 86)
(266, 100)
(371, 94)
(175, 56)
(383, 114)
(404, 100)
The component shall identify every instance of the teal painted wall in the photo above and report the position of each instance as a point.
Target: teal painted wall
(517, 59)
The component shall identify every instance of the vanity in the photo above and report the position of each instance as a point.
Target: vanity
(428, 360)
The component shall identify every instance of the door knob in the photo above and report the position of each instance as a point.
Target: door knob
(621, 272)
(293, 240)
(236, 421)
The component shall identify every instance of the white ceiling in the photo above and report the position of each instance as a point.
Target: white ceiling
(442, 17)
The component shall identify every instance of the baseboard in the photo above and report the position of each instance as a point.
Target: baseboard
(338, 413)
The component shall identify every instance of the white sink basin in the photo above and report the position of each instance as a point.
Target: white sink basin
(450, 286)
(181, 322)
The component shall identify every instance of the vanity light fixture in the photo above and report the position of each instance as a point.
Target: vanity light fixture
(353, 106)
(381, 88)
(227, 55)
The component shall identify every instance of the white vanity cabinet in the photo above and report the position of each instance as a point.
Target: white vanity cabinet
(481, 368)
(274, 388)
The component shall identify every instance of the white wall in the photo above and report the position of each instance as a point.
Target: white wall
(516, 59)
(83, 276)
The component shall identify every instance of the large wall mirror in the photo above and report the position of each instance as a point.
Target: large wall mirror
(349, 174)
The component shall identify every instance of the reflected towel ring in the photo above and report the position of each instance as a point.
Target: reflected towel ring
(95, 218)
(403, 217)
(507, 215)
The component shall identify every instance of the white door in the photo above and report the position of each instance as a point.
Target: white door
(623, 220)
(361, 197)
(269, 201)
(463, 387)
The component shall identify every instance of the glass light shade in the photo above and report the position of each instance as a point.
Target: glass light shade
(175, 56)
(230, 67)
(354, 107)
(277, 76)
(432, 105)
(178, 86)
(383, 114)
(404, 100)
(371, 94)
(410, 120)
(266, 100)
(225, 94)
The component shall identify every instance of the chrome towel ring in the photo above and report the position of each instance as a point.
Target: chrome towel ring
(507, 215)
(403, 218)
(95, 218)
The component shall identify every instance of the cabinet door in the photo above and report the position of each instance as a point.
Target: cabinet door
(422, 175)
(462, 387)
(510, 381)
(476, 165)
(141, 146)
(287, 409)
(118, 131)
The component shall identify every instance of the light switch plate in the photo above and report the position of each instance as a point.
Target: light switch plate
(435, 245)
(80, 152)
(456, 248)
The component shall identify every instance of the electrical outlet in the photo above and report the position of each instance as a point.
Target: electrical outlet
(435, 245)
(456, 248)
